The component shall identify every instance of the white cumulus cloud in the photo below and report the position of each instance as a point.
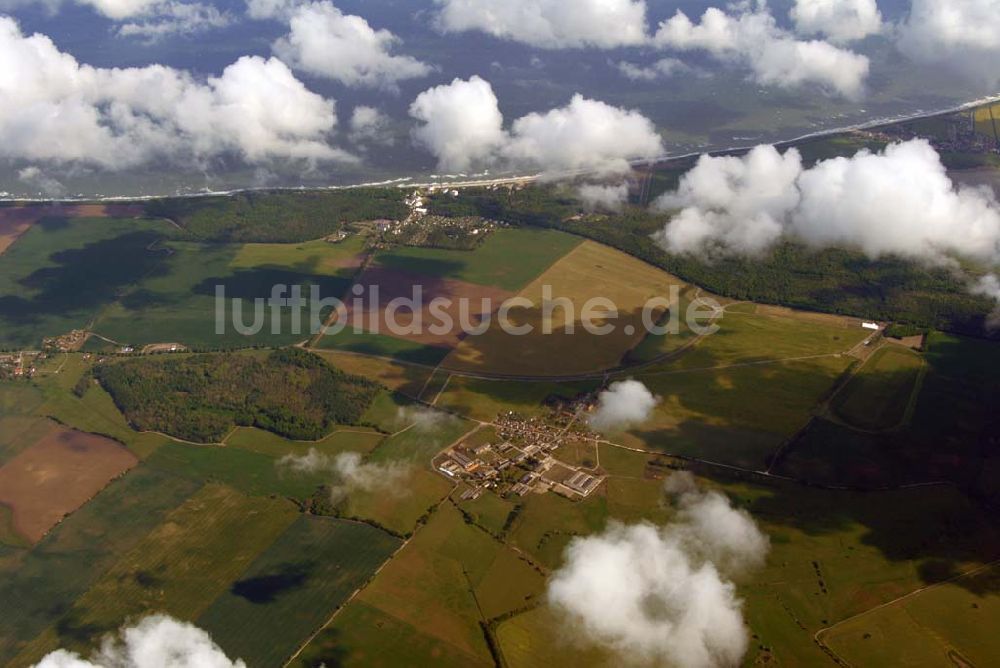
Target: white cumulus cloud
(166, 19)
(663, 595)
(625, 404)
(461, 124)
(663, 68)
(751, 38)
(550, 24)
(733, 204)
(349, 471)
(53, 108)
(989, 286)
(325, 42)
(839, 20)
(45, 184)
(962, 33)
(603, 196)
(157, 641)
(369, 125)
(896, 202)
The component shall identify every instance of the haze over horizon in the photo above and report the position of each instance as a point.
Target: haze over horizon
(289, 93)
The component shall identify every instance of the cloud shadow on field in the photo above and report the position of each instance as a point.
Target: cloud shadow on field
(86, 278)
(264, 589)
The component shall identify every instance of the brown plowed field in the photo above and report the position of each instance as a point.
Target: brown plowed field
(56, 475)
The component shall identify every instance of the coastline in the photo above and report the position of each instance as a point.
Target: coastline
(484, 178)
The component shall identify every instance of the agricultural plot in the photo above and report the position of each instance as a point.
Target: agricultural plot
(56, 475)
(474, 283)
(436, 591)
(16, 220)
(948, 435)
(178, 569)
(485, 399)
(589, 271)
(41, 584)
(508, 260)
(914, 632)
(407, 379)
(878, 396)
(737, 415)
(293, 587)
(178, 303)
(18, 432)
(58, 276)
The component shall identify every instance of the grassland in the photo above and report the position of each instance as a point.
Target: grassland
(179, 568)
(878, 396)
(915, 632)
(293, 587)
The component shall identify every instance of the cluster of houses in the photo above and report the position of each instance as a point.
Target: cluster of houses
(19, 365)
(520, 460)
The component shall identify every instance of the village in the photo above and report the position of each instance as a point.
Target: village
(517, 455)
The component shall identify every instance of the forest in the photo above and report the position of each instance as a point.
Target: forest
(277, 216)
(200, 398)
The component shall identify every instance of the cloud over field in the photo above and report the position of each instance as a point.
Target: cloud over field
(897, 202)
(325, 42)
(549, 24)
(461, 124)
(157, 641)
(625, 404)
(349, 472)
(603, 196)
(989, 286)
(839, 20)
(751, 38)
(663, 595)
(53, 108)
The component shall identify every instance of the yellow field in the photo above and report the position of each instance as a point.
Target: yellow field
(440, 586)
(985, 117)
(400, 377)
(590, 270)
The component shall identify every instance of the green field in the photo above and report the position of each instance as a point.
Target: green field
(381, 345)
(57, 277)
(509, 259)
(291, 589)
(914, 632)
(878, 396)
(177, 303)
(178, 569)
